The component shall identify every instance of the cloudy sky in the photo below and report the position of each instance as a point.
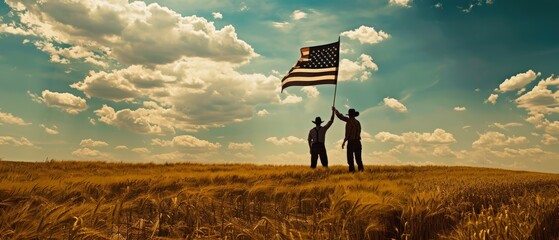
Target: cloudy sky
(470, 82)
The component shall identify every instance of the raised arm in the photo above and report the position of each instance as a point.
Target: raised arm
(330, 122)
(339, 115)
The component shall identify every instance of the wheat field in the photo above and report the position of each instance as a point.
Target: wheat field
(97, 200)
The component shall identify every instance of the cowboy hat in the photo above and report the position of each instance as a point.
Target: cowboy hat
(317, 120)
(352, 113)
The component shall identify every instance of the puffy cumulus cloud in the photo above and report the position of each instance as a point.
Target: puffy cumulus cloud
(241, 146)
(541, 99)
(121, 147)
(141, 150)
(360, 69)
(549, 140)
(64, 101)
(291, 99)
(285, 140)
(418, 146)
(401, 3)
(217, 15)
(186, 142)
(506, 126)
(8, 140)
(311, 91)
(130, 32)
(59, 54)
(518, 81)
(552, 128)
(280, 25)
(492, 98)
(141, 120)
(298, 15)
(460, 109)
(287, 158)
(52, 131)
(8, 118)
(395, 105)
(538, 119)
(493, 139)
(90, 143)
(124, 84)
(92, 154)
(263, 113)
(193, 93)
(520, 152)
(366, 35)
(438, 136)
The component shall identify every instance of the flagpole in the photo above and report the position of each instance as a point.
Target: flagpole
(336, 79)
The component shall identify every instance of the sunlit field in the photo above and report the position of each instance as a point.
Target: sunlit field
(95, 200)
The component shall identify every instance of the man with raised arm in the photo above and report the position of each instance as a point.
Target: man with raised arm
(353, 138)
(317, 137)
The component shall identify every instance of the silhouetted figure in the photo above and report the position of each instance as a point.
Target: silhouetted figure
(353, 138)
(317, 136)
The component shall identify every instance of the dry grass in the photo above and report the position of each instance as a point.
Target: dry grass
(96, 200)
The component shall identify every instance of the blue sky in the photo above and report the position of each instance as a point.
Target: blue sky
(437, 82)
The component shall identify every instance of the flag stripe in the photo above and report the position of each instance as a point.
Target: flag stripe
(306, 83)
(313, 70)
(308, 79)
(310, 75)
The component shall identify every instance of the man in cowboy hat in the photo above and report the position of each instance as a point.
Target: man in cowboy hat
(353, 138)
(317, 136)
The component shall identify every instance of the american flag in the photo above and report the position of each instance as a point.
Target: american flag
(317, 65)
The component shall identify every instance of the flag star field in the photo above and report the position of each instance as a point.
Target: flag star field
(457, 82)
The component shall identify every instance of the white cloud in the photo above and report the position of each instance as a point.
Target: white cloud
(541, 99)
(86, 153)
(506, 126)
(439, 136)
(518, 81)
(192, 94)
(52, 131)
(141, 150)
(129, 32)
(241, 146)
(460, 109)
(549, 140)
(288, 158)
(366, 137)
(217, 15)
(291, 99)
(360, 69)
(438, 5)
(64, 101)
(141, 120)
(366, 35)
(121, 147)
(395, 105)
(285, 140)
(311, 91)
(298, 15)
(7, 140)
(186, 142)
(280, 25)
(492, 98)
(401, 3)
(492, 139)
(8, 118)
(416, 145)
(262, 113)
(553, 128)
(90, 143)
